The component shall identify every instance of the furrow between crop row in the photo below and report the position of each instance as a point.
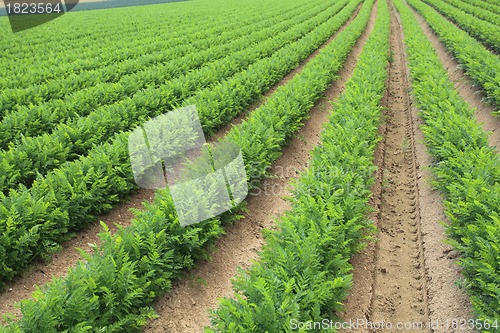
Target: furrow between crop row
(466, 171)
(186, 308)
(303, 274)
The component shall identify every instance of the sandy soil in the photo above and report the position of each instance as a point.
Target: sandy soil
(409, 274)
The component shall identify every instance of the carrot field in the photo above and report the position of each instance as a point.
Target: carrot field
(369, 145)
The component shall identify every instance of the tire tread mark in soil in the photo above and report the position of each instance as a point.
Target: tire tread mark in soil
(400, 287)
(444, 299)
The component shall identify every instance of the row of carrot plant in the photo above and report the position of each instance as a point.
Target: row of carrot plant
(466, 169)
(493, 7)
(69, 198)
(58, 58)
(114, 290)
(480, 64)
(193, 55)
(172, 16)
(491, 2)
(486, 32)
(303, 273)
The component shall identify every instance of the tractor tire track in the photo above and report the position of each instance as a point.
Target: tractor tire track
(400, 288)
(409, 276)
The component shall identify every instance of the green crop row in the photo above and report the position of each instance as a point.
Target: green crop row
(114, 290)
(495, 8)
(303, 273)
(150, 30)
(482, 66)
(172, 52)
(478, 12)
(38, 155)
(88, 27)
(107, 30)
(487, 33)
(34, 221)
(466, 170)
(35, 120)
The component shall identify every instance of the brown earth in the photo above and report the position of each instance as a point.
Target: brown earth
(409, 275)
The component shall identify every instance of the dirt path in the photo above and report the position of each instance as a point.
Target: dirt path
(471, 94)
(2, 4)
(186, 308)
(408, 276)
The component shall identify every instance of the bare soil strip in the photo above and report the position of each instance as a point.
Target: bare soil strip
(409, 275)
(473, 95)
(42, 273)
(186, 308)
